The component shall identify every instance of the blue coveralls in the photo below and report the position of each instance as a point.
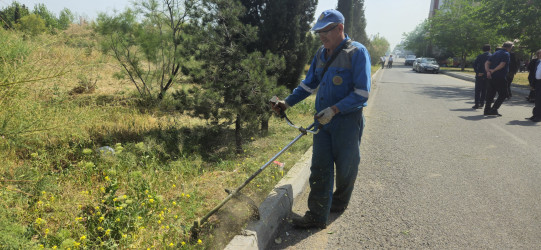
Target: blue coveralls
(346, 84)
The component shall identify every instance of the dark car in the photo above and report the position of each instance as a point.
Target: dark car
(425, 64)
(409, 60)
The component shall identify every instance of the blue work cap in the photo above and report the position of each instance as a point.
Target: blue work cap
(328, 17)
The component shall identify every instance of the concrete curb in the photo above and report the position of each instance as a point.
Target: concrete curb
(277, 205)
(275, 208)
(514, 87)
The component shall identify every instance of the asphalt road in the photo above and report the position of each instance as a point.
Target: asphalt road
(436, 174)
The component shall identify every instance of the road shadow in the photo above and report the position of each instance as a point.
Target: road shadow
(526, 123)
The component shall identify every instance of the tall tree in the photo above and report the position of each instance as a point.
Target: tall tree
(346, 7)
(283, 27)
(377, 48)
(418, 41)
(11, 14)
(51, 22)
(358, 32)
(515, 19)
(237, 84)
(457, 27)
(150, 51)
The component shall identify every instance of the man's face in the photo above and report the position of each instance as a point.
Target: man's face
(538, 54)
(331, 36)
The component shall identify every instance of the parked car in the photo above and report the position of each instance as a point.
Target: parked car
(415, 62)
(409, 60)
(426, 64)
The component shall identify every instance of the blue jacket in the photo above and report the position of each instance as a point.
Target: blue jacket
(479, 64)
(346, 83)
(495, 60)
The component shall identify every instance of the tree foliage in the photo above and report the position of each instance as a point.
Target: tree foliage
(461, 27)
(282, 28)
(355, 24)
(457, 27)
(11, 15)
(150, 51)
(32, 24)
(518, 20)
(418, 41)
(237, 84)
(377, 48)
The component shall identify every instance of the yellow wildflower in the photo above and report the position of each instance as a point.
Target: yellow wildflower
(151, 200)
(107, 178)
(101, 219)
(171, 244)
(183, 243)
(174, 203)
(159, 222)
(83, 238)
(108, 231)
(55, 247)
(174, 186)
(124, 236)
(39, 221)
(187, 196)
(199, 241)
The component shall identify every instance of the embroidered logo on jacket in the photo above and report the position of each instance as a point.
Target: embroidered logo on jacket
(337, 80)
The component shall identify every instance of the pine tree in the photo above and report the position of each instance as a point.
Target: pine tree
(283, 30)
(355, 23)
(237, 84)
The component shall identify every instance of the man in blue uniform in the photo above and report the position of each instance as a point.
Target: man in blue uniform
(340, 73)
(497, 67)
(481, 77)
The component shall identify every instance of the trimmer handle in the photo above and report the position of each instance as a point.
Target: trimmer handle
(273, 101)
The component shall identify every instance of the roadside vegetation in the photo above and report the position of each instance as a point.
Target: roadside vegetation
(456, 32)
(121, 132)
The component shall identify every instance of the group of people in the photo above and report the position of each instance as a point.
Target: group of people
(494, 74)
(389, 63)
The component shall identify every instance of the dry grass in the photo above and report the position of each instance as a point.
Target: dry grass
(66, 174)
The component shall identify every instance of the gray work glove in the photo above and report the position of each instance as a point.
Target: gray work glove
(325, 116)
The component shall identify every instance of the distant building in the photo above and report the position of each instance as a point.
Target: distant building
(434, 5)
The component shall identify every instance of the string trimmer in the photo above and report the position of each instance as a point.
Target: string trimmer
(236, 193)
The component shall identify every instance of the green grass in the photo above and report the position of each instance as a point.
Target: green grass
(57, 188)
(521, 78)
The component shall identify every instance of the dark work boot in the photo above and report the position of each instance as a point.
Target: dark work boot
(308, 221)
(475, 106)
(337, 208)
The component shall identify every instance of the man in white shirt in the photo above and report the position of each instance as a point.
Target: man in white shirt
(390, 62)
(537, 109)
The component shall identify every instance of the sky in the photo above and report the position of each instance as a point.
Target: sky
(388, 18)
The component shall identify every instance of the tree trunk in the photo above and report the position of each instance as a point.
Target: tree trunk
(238, 137)
(265, 125)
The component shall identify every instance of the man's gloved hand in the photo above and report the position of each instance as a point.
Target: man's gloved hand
(279, 105)
(326, 115)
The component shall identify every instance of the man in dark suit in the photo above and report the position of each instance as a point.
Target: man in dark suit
(535, 76)
(481, 77)
(497, 67)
